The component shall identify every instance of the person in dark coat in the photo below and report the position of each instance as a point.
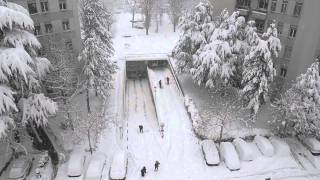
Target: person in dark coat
(168, 80)
(156, 165)
(143, 171)
(141, 128)
(160, 84)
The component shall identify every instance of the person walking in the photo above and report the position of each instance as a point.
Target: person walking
(143, 171)
(168, 80)
(160, 84)
(156, 165)
(141, 128)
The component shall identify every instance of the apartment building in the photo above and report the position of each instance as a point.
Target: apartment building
(298, 29)
(57, 20)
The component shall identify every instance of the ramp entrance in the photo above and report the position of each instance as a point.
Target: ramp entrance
(138, 69)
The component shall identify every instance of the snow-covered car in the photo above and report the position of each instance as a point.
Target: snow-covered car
(244, 150)
(20, 168)
(281, 148)
(76, 165)
(118, 169)
(264, 145)
(210, 152)
(229, 156)
(96, 167)
(312, 144)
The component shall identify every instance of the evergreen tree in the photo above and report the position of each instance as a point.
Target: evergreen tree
(215, 63)
(298, 109)
(96, 49)
(259, 68)
(196, 28)
(20, 71)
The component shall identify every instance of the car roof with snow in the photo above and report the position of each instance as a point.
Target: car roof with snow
(75, 165)
(244, 150)
(118, 168)
(312, 143)
(230, 155)
(264, 145)
(211, 152)
(96, 166)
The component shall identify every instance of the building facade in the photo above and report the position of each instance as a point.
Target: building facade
(55, 20)
(298, 29)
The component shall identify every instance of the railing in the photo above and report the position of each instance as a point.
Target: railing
(175, 77)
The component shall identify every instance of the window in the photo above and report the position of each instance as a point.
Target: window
(260, 25)
(68, 44)
(280, 28)
(283, 72)
(274, 5)
(287, 52)
(48, 27)
(37, 29)
(297, 9)
(32, 6)
(65, 25)
(62, 4)
(44, 5)
(292, 31)
(284, 6)
(243, 3)
(263, 4)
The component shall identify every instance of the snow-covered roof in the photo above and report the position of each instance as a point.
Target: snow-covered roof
(211, 152)
(118, 167)
(96, 166)
(75, 165)
(146, 57)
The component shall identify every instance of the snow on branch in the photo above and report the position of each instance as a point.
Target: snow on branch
(20, 38)
(14, 60)
(37, 108)
(10, 18)
(6, 100)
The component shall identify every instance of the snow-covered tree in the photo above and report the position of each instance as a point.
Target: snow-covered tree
(89, 128)
(259, 68)
(147, 8)
(176, 11)
(216, 62)
(96, 49)
(298, 109)
(20, 70)
(196, 27)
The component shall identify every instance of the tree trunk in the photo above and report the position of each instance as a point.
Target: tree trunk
(174, 26)
(89, 141)
(35, 132)
(147, 30)
(133, 14)
(88, 102)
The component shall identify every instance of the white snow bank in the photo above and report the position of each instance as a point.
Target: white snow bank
(281, 148)
(119, 166)
(312, 144)
(210, 152)
(229, 155)
(244, 150)
(264, 146)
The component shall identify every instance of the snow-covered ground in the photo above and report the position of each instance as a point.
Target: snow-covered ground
(179, 152)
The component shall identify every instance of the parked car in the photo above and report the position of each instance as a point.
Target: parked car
(118, 169)
(210, 152)
(96, 167)
(281, 148)
(20, 168)
(244, 150)
(229, 156)
(264, 145)
(312, 144)
(76, 165)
